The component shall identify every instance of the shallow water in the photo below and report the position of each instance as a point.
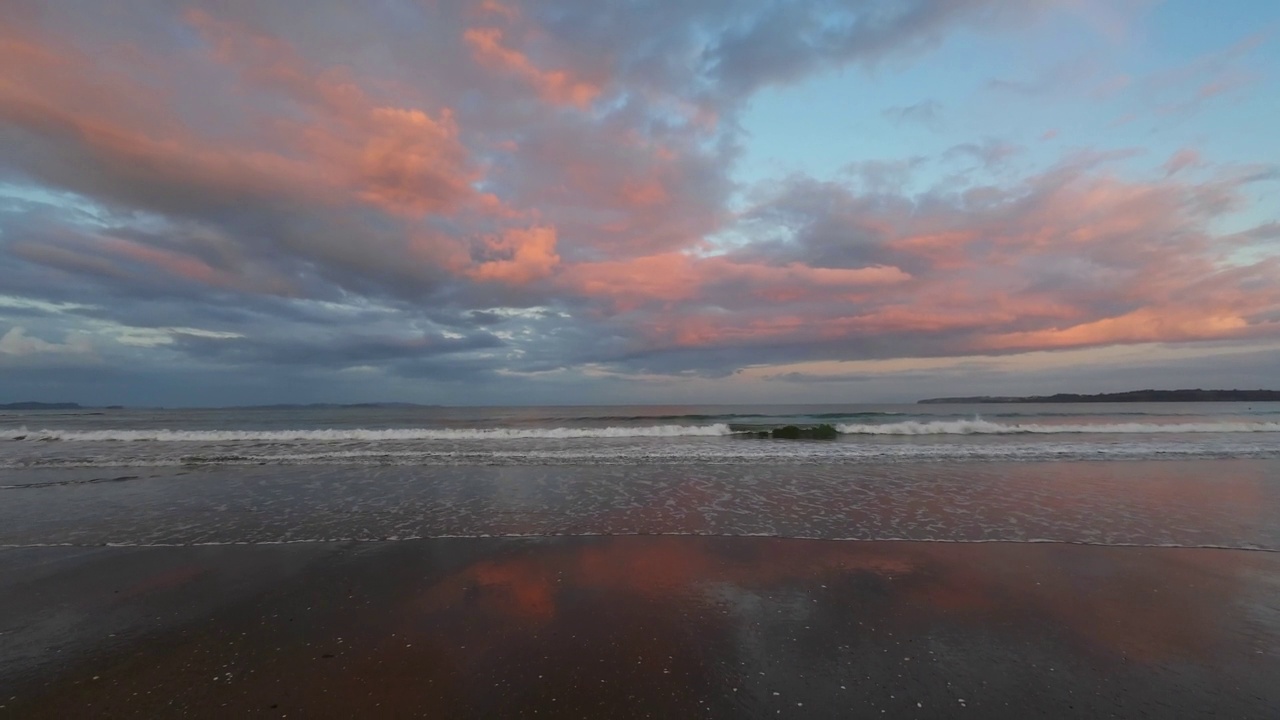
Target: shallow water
(1216, 503)
(1201, 474)
(634, 435)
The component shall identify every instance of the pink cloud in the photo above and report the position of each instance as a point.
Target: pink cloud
(628, 284)
(613, 191)
(1181, 160)
(1067, 260)
(403, 159)
(414, 162)
(672, 278)
(501, 10)
(520, 256)
(344, 146)
(1145, 325)
(554, 86)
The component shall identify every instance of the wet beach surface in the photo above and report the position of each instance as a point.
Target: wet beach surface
(642, 626)
(1231, 503)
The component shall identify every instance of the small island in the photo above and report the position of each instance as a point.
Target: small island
(1132, 396)
(40, 406)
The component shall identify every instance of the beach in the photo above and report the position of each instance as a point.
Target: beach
(1119, 561)
(640, 627)
(636, 359)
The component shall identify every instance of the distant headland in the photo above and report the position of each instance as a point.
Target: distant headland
(40, 406)
(31, 405)
(1123, 397)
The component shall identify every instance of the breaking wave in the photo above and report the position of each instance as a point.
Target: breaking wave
(360, 434)
(973, 426)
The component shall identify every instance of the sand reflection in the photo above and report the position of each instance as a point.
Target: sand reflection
(1114, 601)
(686, 626)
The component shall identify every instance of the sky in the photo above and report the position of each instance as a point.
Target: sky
(471, 202)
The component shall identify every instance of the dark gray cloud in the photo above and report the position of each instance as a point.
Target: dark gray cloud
(721, 51)
(785, 41)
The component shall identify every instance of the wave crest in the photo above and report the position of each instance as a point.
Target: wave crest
(363, 434)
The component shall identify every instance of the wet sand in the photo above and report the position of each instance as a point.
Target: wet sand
(647, 626)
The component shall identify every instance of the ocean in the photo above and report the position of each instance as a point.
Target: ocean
(1160, 474)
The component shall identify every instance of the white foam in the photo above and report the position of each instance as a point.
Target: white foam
(978, 426)
(362, 434)
(649, 451)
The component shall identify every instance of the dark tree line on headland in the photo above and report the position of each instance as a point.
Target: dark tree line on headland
(1130, 396)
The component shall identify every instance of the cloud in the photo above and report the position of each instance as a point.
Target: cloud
(335, 351)
(487, 190)
(554, 86)
(784, 42)
(1213, 75)
(1068, 258)
(1053, 79)
(17, 347)
(991, 153)
(926, 112)
(518, 256)
(1181, 160)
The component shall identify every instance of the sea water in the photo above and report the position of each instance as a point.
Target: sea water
(1194, 474)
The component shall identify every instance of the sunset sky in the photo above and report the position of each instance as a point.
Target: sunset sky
(484, 202)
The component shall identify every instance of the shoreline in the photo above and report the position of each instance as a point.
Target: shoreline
(1127, 397)
(639, 626)
(590, 535)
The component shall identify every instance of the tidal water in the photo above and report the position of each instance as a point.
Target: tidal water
(1196, 474)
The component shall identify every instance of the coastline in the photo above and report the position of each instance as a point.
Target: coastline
(640, 626)
(1131, 396)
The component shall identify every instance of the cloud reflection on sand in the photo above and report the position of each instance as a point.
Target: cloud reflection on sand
(1107, 604)
(675, 627)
